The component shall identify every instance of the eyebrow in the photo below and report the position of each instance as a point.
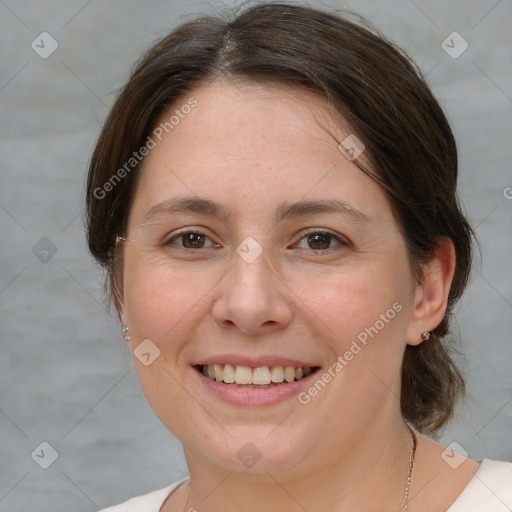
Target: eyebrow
(285, 210)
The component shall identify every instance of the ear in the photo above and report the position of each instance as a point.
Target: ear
(121, 312)
(125, 333)
(431, 296)
(118, 293)
(119, 303)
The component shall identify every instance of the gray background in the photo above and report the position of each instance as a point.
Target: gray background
(66, 376)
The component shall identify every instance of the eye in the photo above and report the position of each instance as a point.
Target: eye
(191, 240)
(321, 241)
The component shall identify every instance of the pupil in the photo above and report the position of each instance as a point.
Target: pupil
(317, 239)
(193, 239)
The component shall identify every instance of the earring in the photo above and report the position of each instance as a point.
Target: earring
(126, 336)
(425, 335)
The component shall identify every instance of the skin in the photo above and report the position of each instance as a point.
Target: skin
(252, 148)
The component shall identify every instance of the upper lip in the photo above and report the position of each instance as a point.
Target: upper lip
(253, 362)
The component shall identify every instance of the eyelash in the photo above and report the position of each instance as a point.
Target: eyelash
(342, 242)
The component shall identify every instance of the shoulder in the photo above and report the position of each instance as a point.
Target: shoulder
(490, 489)
(150, 502)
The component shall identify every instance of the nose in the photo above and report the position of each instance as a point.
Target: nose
(253, 298)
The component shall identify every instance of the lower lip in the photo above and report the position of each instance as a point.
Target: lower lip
(254, 396)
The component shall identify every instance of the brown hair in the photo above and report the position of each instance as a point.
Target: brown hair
(386, 102)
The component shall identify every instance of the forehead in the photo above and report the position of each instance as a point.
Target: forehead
(253, 144)
(231, 115)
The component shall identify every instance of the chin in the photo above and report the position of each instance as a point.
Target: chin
(253, 451)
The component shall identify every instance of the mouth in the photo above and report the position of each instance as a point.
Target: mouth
(261, 377)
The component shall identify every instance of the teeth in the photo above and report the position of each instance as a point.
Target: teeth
(261, 376)
(289, 374)
(243, 375)
(229, 373)
(217, 370)
(277, 374)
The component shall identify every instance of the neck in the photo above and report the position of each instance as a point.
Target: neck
(370, 470)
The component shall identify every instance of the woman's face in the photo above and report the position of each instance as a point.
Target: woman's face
(295, 261)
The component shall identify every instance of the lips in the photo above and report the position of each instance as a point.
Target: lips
(256, 380)
(257, 377)
(254, 361)
(253, 381)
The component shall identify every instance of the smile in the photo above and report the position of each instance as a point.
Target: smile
(261, 377)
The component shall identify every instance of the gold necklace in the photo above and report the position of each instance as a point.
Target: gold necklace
(405, 505)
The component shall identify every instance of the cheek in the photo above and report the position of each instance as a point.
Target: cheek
(163, 307)
(361, 314)
(159, 299)
(351, 303)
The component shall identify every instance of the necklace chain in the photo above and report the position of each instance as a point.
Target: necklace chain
(405, 506)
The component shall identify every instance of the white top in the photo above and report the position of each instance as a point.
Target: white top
(490, 490)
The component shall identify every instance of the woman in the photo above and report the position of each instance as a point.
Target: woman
(274, 200)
